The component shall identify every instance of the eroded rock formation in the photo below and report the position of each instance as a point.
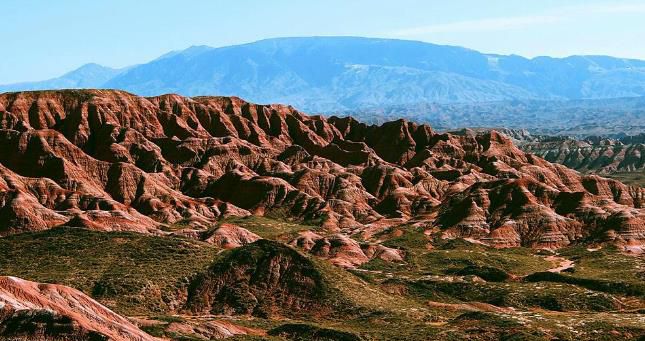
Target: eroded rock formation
(113, 161)
(34, 311)
(265, 279)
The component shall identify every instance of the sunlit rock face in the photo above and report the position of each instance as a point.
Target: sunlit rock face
(110, 160)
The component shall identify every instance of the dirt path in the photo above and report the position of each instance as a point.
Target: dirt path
(563, 263)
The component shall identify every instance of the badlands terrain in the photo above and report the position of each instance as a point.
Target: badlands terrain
(620, 158)
(199, 218)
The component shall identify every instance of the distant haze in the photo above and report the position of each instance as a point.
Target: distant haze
(328, 74)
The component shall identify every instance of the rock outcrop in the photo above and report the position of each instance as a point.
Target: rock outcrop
(34, 311)
(210, 330)
(265, 278)
(229, 236)
(592, 154)
(344, 251)
(109, 160)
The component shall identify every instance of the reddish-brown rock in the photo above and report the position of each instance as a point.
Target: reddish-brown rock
(230, 236)
(344, 251)
(211, 330)
(34, 311)
(110, 160)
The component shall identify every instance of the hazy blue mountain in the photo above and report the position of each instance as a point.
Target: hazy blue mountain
(326, 74)
(87, 76)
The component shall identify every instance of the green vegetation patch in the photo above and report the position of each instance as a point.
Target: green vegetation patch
(487, 273)
(550, 296)
(269, 228)
(606, 263)
(303, 332)
(456, 256)
(622, 288)
(631, 178)
(130, 272)
(487, 318)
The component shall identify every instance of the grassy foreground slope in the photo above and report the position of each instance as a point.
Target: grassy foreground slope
(448, 290)
(129, 272)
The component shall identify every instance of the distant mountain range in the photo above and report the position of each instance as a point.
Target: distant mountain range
(330, 74)
(87, 76)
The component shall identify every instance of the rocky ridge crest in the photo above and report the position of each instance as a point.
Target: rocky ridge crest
(110, 160)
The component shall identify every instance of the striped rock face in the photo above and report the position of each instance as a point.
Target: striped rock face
(109, 160)
(34, 311)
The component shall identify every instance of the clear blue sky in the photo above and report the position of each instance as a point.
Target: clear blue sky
(43, 38)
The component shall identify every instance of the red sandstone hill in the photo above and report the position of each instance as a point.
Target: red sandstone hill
(34, 311)
(110, 160)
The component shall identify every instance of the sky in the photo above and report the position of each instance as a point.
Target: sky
(42, 39)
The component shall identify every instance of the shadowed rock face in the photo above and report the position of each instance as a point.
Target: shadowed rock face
(33, 311)
(110, 160)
